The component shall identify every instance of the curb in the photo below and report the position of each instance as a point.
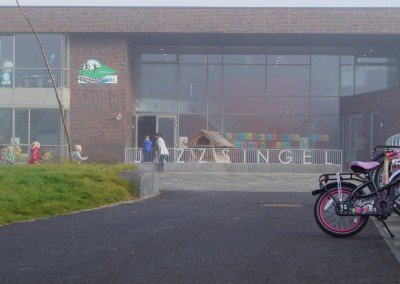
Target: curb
(393, 223)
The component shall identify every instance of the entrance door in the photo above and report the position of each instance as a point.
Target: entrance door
(149, 125)
(166, 125)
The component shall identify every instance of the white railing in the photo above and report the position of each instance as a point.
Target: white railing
(241, 156)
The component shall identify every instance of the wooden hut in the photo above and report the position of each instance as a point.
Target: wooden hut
(213, 140)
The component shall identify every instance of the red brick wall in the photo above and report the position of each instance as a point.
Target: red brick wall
(387, 102)
(204, 20)
(94, 107)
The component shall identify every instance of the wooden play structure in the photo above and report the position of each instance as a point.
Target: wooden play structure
(209, 146)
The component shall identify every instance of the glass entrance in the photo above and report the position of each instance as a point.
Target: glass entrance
(149, 125)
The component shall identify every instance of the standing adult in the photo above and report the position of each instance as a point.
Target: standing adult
(147, 148)
(162, 150)
(35, 156)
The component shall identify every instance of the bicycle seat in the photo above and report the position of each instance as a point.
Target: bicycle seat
(363, 167)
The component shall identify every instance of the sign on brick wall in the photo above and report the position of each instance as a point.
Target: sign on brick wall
(93, 72)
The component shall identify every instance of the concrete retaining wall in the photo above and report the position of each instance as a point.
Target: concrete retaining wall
(243, 168)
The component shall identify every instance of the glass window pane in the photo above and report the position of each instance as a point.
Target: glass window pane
(36, 78)
(193, 88)
(5, 126)
(288, 59)
(6, 48)
(288, 80)
(286, 131)
(193, 55)
(374, 78)
(45, 126)
(346, 80)
(191, 125)
(157, 54)
(244, 105)
(244, 80)
(158, 81)
(214, 55)
(249, 131)
(244, 123)
(288, 105)
(347, 59)
(325, 132)
(29, 55)
(214, 90)
(6, 59)
(244, 55)
(324, 75)
(21, 126)
(325, 106)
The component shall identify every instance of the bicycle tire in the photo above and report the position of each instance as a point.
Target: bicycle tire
(396, 208)
(378, 178)
(377, 174)
(331, 223)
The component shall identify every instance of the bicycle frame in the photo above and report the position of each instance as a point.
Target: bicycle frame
(347, 208)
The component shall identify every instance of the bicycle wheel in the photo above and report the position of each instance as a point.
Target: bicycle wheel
(331, 223)
(396, 208)
(378, 172)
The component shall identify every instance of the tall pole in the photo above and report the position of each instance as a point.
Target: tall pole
(60, 106)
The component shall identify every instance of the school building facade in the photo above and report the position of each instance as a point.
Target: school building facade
(276, 78)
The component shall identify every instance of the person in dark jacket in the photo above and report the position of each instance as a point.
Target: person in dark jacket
(147, 148)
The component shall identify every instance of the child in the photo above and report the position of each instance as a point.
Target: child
(10, 155)
(147, 148)
(76, 155)
(35, 156)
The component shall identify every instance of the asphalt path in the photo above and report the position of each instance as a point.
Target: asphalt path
(194, 236)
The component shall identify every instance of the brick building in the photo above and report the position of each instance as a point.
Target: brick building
(317, 78)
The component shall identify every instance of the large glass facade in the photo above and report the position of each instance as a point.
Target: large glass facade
(260, 97)
(22, 67)
(20, 127)
(23, 64)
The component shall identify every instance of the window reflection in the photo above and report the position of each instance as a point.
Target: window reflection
(288, 80)
(245, 123)
(261, 89)
(158, 81)
(288, 59)
(6, 60)
(288, 105)
(193, 88)
(5, 126)
(45, 126)
(244, 105)
(346, 80)
(23, 65)
(36, 78)
(325, 106)
(191, 125)
(325, 132)
(324, 75)
(22, 126)
(29, 55)
(244, 80)
(375, 78)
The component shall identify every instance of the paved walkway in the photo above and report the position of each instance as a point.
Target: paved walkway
(268, 182)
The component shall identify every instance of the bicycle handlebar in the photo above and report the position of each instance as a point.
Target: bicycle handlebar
(385, 147)
(391, 154)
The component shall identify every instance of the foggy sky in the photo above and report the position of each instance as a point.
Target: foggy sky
(209, 3)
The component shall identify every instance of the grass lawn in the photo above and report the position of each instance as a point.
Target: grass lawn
(28, 192)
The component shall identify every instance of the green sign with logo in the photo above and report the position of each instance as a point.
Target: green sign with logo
(93, 72)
